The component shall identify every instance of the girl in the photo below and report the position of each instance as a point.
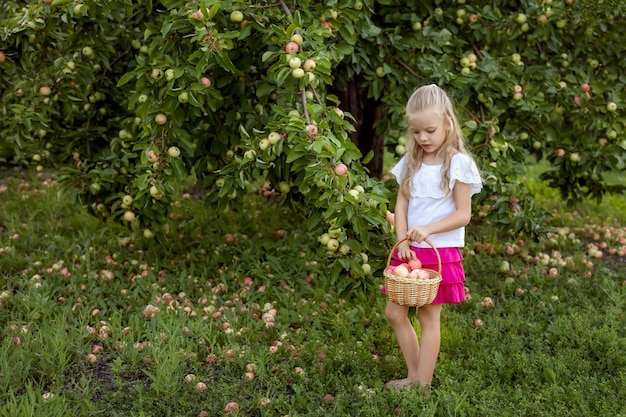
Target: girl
(437, 178)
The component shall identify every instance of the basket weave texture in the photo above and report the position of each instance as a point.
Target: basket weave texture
(408, 291)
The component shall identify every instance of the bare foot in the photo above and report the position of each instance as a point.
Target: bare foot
(400, 383)
(408, 384)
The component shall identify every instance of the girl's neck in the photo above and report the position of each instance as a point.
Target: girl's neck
(429, 159)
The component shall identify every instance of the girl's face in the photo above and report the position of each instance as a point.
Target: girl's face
(430, 131)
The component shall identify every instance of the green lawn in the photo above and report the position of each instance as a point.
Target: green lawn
(95, 324)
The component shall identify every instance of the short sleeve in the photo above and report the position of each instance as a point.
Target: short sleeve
(465, 170)
(399, 169)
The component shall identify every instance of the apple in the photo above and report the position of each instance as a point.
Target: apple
(169, 74)
(152, 156)
(173, 151)
(3, 57)
(466, 71)
(416, 26)
(594, 63)
(161, 119)
(206, 82)
(354, 193)
(334, 232)
(273, 138)
(249, 154)
(574, 157)
(611, 106)
(585, 88)
(297, 38)
(236, 16)
(542, 19)
(183, 97)
(521, 18)
(295, 62)
(323, 239)
(231, 407)
(284, 187)
(401, 271)
(154, 192)
(517, 88)
(156, 74)
(311, 131)
(127, 200)
(45, 90)
(358, 5)
(516, 58)
(380, 72)
(129, 216)
(87, 51)
(611, 134)
(341, 169)
(332, 245)
(415, 264)
(197, 15)
(560, 152)
(291, 47)
(309, 65)
(263, 144)
(297, 73)
(339, 112)
(400, 149)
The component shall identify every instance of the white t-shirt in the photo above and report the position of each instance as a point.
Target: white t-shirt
(428, 201)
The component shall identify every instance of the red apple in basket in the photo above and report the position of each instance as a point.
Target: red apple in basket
(415, 264)
(401, 271)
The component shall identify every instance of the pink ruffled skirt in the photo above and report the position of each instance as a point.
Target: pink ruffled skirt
(452, 285)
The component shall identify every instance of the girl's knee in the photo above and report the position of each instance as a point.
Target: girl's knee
(395, 313)
(429, 316)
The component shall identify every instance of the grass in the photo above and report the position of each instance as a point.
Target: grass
(94, 324)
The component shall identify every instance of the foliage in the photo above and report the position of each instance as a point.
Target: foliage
(139, 99)
(100, 325)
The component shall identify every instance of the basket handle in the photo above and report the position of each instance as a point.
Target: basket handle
(393, 248)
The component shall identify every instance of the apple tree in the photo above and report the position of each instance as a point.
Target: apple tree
(136, 100)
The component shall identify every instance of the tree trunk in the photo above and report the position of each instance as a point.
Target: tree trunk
(366, 111)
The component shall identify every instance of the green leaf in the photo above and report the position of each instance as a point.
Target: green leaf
(125, 78)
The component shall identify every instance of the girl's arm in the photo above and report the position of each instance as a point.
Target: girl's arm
(401, 213)
(459, 218)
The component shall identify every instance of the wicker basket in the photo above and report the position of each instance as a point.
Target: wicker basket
(411, 291)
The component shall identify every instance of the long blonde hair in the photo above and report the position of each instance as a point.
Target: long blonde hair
(432, 97)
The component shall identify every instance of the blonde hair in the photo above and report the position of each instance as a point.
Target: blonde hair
(432, 98)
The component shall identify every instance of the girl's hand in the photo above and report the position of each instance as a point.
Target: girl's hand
(404, 251)
(418, 234)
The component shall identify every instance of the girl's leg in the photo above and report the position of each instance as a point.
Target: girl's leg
(407, 339)
(430, 320)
